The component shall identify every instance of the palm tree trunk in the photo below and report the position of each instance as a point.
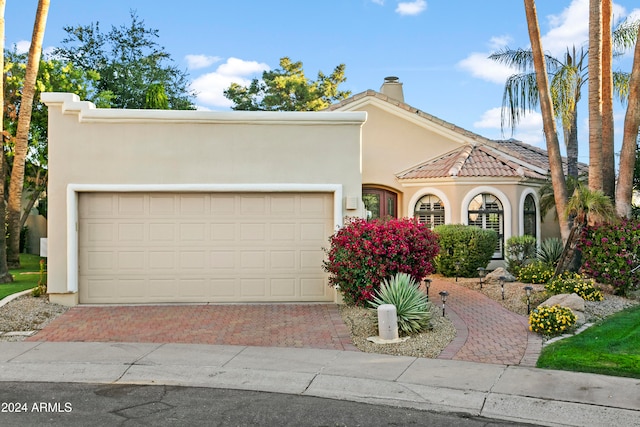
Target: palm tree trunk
(624, 192)
(595, 94)
(548, 118)
(22, 135)
(608, 151)
(571, 142)
(570, 258)
(5, 277)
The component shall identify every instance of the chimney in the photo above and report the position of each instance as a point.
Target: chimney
(392, 88)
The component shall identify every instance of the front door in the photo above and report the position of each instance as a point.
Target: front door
(380, 203)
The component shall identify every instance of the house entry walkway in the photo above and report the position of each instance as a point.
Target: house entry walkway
(486, 332)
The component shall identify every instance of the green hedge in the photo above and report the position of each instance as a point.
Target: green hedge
(470, 246)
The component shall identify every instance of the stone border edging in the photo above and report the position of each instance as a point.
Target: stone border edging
(8, 299)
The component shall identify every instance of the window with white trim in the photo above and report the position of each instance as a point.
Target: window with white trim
(529, 216)
(486, 211)
(429, 210)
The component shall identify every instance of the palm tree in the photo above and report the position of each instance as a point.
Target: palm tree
(608, 151)
(546, 107)
(568, 76)
(595, 95)
(624, 191)
(586, 207)
(5, 277)
(521, 92)
(14, 205)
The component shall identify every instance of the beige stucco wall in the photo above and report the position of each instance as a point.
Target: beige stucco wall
(149, 150)
(395, 140)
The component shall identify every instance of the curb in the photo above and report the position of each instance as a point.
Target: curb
(8, 299)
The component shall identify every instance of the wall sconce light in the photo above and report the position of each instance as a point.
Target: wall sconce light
(481, 274)
(502, 279)
(528, 290)
(443, 295)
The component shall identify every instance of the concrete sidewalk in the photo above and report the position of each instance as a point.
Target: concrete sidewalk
(515, 393)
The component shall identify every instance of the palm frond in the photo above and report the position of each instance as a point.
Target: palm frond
(590, 206)
(621, 85)
(519, 97)
(625, 35)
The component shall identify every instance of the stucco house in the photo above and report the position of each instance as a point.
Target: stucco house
(417, 165)
(149, 206)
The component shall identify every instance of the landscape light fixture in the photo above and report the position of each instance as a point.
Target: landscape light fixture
(443, 295)
(528, 290)
(502, 279)
(427, 283)
(481, 273)
(457, 270)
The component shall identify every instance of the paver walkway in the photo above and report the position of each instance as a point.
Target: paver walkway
(486, 332)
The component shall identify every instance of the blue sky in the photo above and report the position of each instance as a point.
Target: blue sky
(437, 48)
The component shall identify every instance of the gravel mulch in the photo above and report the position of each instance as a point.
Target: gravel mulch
(27, 313)
(362, 324)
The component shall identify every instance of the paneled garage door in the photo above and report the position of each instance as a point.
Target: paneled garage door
(203, 247)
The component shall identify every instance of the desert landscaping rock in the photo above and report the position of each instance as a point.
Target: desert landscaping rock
(572, 301)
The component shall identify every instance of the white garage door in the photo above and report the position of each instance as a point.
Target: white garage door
(203, 247)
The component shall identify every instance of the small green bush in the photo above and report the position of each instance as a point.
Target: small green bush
(568, 283)
(519, 251)
(551, 321)
(469, 246)
(412, 305)
(536, 272)
(550, 251)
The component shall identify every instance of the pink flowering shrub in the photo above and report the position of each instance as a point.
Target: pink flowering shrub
(364, 253)
(610, 252)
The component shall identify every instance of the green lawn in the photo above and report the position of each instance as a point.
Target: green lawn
(25, 277)
(611, 347)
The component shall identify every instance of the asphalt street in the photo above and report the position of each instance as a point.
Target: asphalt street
(71, 404)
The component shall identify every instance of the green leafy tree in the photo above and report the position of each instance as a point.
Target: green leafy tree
(156, 98)
(130, 63)
(53, 76)
(288, 89)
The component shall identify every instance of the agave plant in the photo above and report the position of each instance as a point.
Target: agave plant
(550, 251)
(412, 305)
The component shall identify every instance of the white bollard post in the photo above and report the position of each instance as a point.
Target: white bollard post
(387, 322)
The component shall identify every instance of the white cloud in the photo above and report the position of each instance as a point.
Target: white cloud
(480, 66)
(195, 62)
(571, 27)
(411, 8)
(23, 46)
(529, 128)
(380, 2)
(498, 42)
(210, 87)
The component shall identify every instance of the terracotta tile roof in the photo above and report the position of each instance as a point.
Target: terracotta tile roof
(472, 161)
(482, 157)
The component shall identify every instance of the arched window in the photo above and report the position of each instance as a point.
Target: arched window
(485, 211)
(429, 210)
(380, 203)
(529, 216)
